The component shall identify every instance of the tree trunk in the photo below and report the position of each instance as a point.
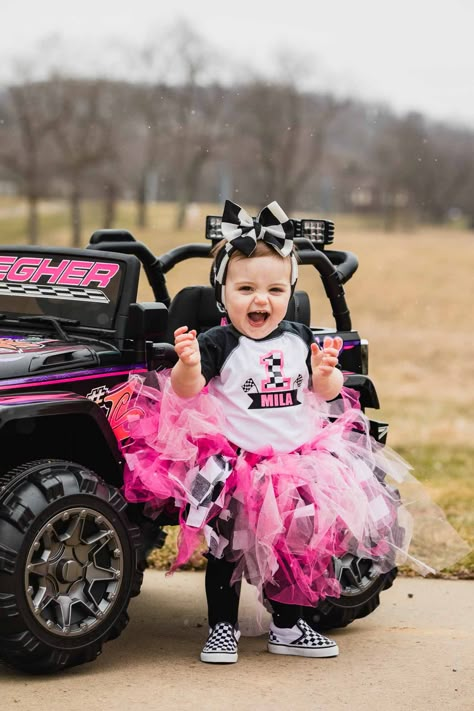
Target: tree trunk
(110, 205)
(33, 219)
(188, 190)
(142, 217)
(181, 211)
(389, 218)
(75, 204)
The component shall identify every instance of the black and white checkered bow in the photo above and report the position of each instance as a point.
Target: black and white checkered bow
(272, 226)
(241, 233)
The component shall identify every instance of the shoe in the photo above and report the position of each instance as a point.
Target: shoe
(221, 645)
(300, 641)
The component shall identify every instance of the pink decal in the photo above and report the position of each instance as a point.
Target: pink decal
(19, 399)
(5, 264)
(102, 273)
(23, 269)
(120, 411)
(67, 272)
(273, 362)
(45, 269)
(74, 273)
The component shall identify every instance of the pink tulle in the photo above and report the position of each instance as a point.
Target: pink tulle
(282, 518)
(172, 438)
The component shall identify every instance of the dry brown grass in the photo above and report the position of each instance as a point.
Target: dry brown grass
(412, 298)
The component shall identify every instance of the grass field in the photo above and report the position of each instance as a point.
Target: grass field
(411, 298)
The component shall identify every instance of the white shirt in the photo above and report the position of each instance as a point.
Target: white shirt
(261, 384)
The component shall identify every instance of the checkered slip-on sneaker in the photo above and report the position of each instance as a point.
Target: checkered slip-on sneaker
(221, 645)
(300, 641)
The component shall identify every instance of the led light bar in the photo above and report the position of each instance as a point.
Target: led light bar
(213, 228)
(318, 231)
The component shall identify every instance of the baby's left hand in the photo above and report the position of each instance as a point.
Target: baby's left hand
(325, 359)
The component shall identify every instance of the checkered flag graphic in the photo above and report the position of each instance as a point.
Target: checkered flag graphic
(52, 291)
(248, 385)
(298, 380)
(97, 395)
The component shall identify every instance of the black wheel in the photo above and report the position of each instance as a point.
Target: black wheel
(69, 564)
(361, 585)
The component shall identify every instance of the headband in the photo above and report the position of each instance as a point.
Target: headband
(241, 233)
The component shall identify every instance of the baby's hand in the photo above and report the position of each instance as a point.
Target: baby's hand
(187, 346)
(325, 359)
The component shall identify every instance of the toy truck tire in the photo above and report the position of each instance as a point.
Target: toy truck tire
(69, 564)
(361, 585)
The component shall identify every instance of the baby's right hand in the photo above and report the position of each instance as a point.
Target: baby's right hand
(186, 346)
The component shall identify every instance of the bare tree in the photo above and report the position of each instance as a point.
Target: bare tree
(82, 135)
(148, 108)
(24, 146)
(178, 133)
(464, 194)
(453, 172)
(112, 175)
(398, 161)
(285, 133)
(199, 107)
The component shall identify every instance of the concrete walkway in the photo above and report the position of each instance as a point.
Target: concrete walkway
(415, 652)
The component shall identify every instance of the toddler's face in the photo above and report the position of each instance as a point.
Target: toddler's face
(257, 292)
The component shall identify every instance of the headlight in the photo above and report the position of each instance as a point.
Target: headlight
(213, 228)
(318, 231)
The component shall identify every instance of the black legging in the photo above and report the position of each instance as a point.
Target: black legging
(223, 598)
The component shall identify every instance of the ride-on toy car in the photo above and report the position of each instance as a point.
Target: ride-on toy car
(72, 551)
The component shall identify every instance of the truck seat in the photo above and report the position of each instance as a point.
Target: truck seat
(196, 308)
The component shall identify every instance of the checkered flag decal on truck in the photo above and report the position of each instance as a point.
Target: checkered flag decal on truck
(49, 291)
(97, 395)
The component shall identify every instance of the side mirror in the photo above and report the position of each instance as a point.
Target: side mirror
(146, 321)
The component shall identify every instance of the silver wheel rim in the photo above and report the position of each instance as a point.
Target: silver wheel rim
(74, 571)
(356, 575)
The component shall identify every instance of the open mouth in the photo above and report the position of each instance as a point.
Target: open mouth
(258, 317)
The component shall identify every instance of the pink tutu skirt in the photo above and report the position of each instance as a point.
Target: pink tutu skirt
(283, 519)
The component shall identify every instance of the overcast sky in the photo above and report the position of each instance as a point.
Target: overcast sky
(411, 54)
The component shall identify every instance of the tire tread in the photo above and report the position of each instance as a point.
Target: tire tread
(19, 646)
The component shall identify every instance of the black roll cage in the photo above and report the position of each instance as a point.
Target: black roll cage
(335, 267)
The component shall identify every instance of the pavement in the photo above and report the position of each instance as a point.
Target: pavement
(415, 652)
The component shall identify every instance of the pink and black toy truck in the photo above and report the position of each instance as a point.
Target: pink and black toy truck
(72, 550)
